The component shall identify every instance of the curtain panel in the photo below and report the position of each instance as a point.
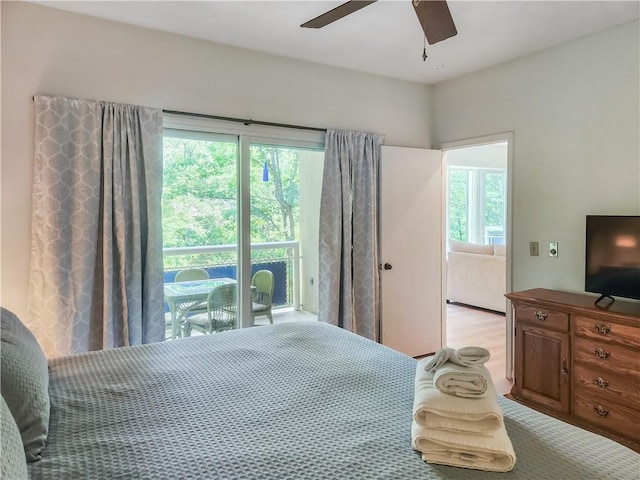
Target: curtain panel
(96, 254)
(348, 276)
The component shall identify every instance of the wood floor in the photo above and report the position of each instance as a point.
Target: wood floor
(468, 326)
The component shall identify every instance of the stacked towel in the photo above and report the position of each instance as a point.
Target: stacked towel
(465, 356)
(493, 453)
(459, 423)
(460, 372)
(467, 382)
(435, 409)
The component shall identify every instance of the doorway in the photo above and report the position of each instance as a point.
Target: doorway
(477, 174)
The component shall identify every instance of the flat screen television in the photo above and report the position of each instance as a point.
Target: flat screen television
(612, 266)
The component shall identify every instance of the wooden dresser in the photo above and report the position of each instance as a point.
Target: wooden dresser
(579, 362)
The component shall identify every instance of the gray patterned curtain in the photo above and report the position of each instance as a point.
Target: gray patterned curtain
(96, 253)
(348, 275)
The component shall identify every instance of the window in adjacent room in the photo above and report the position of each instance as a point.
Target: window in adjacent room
(476, 194)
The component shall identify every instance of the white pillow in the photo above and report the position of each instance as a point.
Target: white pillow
(465, 247)
(500, 250)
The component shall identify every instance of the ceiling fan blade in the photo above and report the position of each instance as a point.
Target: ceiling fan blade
(336, 14)
(435, 19)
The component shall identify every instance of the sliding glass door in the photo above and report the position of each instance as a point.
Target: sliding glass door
(200, 226)
(238, 204)
(285, 207)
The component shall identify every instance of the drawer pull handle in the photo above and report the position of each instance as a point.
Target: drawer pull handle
(601, 353)
(601, 328)
(600, 410)
(601, 382)
(540, 315)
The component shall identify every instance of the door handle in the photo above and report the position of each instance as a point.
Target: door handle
(388, 266)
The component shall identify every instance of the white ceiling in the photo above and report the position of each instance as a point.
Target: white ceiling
(384, 38)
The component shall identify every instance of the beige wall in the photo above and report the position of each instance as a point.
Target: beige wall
(574, 111)
(49, 51)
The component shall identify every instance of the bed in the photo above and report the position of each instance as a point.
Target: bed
(300, 400)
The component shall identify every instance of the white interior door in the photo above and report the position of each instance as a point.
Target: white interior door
(411, 252)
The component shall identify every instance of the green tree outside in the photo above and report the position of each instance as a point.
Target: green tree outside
(494, 199)
(458, 201)
(493, 184)
(199, 199)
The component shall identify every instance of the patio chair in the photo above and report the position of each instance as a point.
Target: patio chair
(190, 274)
(262, 294)
(187, 275)
(221, 312)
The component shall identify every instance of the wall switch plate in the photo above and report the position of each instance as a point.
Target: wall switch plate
(553, 249)
(533, 249)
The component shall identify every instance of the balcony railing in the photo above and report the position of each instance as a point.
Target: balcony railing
(220, 261)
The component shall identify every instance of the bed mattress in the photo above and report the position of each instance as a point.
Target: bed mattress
(299, 400)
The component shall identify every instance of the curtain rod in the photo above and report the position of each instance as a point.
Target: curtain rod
(244, 121)
(240, 120)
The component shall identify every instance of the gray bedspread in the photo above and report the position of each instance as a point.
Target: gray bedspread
(290, 401)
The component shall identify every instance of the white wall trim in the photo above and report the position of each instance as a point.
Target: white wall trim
(478, 141)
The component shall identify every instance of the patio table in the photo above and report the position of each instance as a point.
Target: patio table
(181, 296)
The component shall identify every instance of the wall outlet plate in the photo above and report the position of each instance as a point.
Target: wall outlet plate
(553, 249)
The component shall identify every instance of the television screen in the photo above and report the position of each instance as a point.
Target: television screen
(612, 266)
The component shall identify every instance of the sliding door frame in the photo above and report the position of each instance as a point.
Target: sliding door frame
(246, 135)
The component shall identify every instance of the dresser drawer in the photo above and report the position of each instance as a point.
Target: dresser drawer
(607, 356)
(543, 317)
(616, 388)
(607, 331)
(605, 414)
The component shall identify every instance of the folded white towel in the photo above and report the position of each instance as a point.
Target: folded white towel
(465, 356)
(437, 410)
(493, 453)
(468, 382)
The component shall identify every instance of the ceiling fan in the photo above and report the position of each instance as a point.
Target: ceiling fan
(434, 16)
